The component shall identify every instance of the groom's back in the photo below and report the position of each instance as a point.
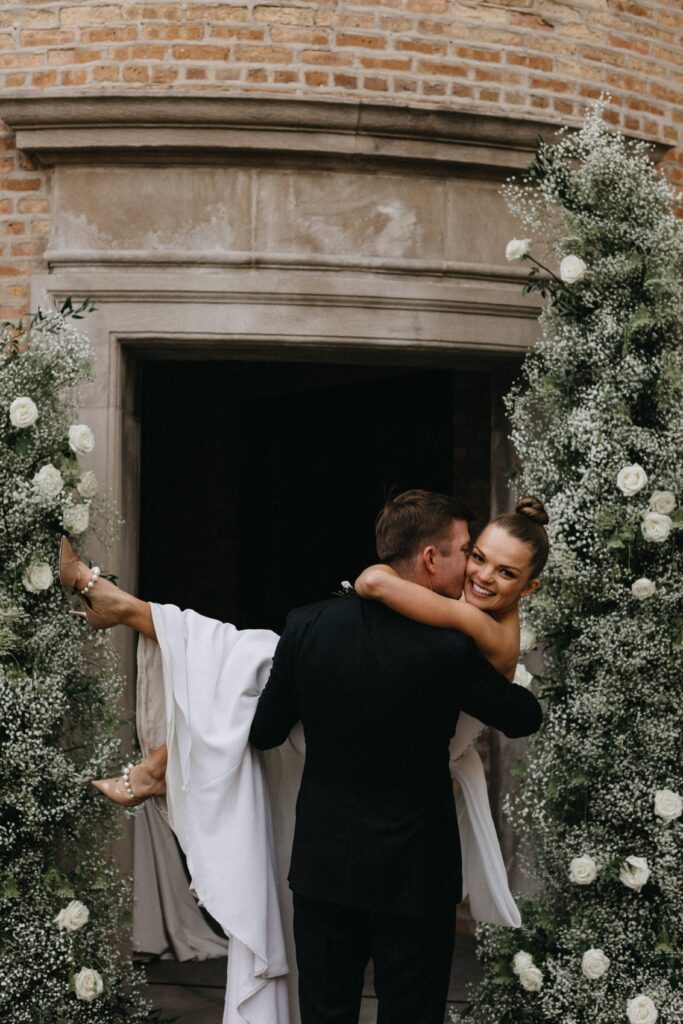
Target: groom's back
(377, 697)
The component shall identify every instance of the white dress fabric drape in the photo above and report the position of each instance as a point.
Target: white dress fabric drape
(232, 808)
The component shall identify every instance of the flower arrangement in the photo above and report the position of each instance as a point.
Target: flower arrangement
(598, 427)
(63, 905)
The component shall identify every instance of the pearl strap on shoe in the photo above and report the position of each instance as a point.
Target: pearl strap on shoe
(96, 572)
(126, 780)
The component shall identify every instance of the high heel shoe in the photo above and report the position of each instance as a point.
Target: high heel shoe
(69, 571)
(120, 791)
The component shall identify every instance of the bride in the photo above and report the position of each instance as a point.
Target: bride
(209, 676)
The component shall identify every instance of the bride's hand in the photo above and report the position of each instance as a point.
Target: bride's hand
(371, 580)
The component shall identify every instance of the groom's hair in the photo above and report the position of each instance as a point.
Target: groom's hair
(415, 518)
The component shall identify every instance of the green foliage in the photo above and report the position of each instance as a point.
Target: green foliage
(59, 692)
(600, 400)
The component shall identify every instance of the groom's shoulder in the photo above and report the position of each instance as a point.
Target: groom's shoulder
(334, 607)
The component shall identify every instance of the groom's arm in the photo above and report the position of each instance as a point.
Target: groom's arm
(487, 695)
(277, 710)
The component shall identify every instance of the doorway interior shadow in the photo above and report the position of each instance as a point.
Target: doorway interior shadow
(260, 482)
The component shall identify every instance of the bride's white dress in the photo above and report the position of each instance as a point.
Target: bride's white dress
(232, 808)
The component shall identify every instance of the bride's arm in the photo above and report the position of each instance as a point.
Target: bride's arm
(382, 583)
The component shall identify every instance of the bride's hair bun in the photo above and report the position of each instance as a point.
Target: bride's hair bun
(533, 509)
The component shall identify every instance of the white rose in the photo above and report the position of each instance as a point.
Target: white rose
(583, 870)
(572, 269)
(76, 519)
(594, 963)
(643, 588)
(527, 640)
(668, 805)
(517, 248)
(631, 479)
(663, 502)
(521, 961)
(634, 873)
(72, 917)
(48, 481)
(38, 577)
(656, 527)
(23, 412)
(88, 984)
(87, 485)
(81, 439)
(641, 1010)
(531, 979)
(522, 676)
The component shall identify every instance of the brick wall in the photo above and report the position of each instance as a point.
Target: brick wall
(535, 58)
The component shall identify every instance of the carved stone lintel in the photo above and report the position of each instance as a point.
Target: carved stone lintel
(190, 129)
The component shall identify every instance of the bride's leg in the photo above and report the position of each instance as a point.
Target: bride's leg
(139, 782)
(105, 604)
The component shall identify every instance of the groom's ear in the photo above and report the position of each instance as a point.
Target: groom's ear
(428, 559)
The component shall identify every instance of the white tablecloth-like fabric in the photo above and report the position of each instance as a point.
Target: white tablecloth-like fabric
(232, 808)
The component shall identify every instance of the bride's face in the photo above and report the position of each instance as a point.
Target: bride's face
(498, 571)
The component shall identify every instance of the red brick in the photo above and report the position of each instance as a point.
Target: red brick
(136, 73)
(426, 6)
(164, 74)
(489, 95)
(153, 12)
(172, 32)
(285, 77)
(60, 58)
(44, 79)
(629, 44)
(194, 74)
(109, 35)
(21, 60)
(421, 46)
(309, 36)
(27, 248)
(257, 75)
(316, 78)
(17, 291)
(106, 73)
(31, 206)
(48, 37)
(201, 52)
(346, 81)
(376, 84)
(283, 15)
(524, 60)
(87, 14)
(531, 22)
(87, 56)
(74, 76)
(469, 53)
(7, 205)
(325, 57)
(361, 42)
(385, 63)
(442, 68)
(15, 81)
(550, 84)
(15, 227)
(19, 184)
(221, 12)
(265, 54)
(433, 88)
(405, 85)
(238, 32)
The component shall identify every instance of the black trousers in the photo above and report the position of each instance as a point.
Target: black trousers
(411, 957)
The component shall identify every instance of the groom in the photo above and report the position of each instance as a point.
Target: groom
(375, 869)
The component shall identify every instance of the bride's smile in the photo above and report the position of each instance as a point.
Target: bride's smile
(498, 571)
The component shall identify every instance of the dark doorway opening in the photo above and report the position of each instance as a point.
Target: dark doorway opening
(260, 482)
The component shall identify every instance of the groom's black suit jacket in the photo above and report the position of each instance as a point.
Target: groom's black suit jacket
(379, 697)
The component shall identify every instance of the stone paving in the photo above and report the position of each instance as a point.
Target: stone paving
(192, 993)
